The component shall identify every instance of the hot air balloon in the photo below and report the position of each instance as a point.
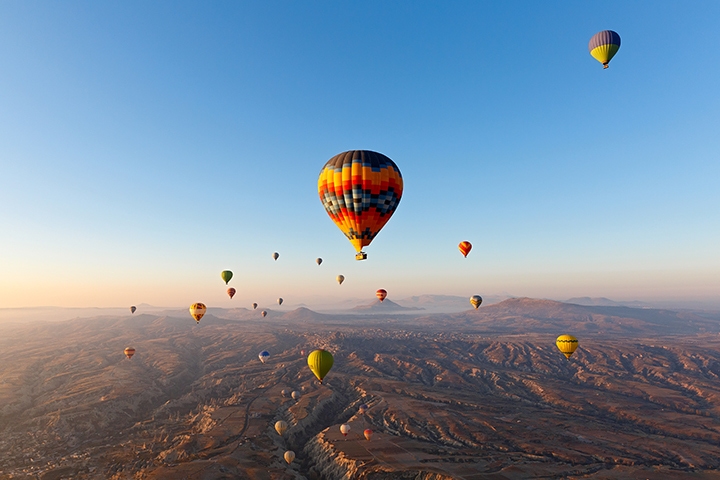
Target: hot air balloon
(465, 248)
(263, 313)
(281, 426)
(475, 301)
(295, 395)
(280, 300)
(368, 434)
(362, 408)
(275, 256)
(320, 362)
(318, 260)
(231, 292)
(129, 352)
(360, 191)
(264, 355)
(226, 275)
(285, 392)
(340, 279)
(567, 344)
(132, 309)
(603, 46)
(289, 456)
(254, 305)
(381, 294)
(344, 429)
(302, 352)
(197, 310)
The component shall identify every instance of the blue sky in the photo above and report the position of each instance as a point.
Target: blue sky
(147, 146)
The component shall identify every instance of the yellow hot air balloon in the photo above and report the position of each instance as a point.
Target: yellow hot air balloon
(360, 191)
(567, 344)
(197, 310)
(281, 426)
(340, 279)
(320, 362)
(475, 301)
(289, 456)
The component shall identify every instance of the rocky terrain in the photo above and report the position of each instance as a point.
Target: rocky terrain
(477, 394)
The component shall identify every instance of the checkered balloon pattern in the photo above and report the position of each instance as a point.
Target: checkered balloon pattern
(360, 190)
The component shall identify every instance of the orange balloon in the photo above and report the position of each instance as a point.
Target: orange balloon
(368, 434)
(129, 352)
(381, 294)
(231, 292)
(465, 248)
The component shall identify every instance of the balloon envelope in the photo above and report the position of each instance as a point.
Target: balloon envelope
(264, 355)
(275, 255)
(567, 344)
(340, 279)
(344, 429)
(289, 456)
(263, 313)
(281, 426)
(318, 260)
(368, 434)
(465, 248)
(231, 292)
(280, 300)
(603, 46)
(254, 305)
(197, 310)
(320, 362)
(381, 294)
(129, 352)
(295, 395)
(475, 301)
(362, 408)
(132, 309)
(226, 275)
(360, 190)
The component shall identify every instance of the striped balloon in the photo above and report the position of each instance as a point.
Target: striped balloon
(567, 344)
(603, 46)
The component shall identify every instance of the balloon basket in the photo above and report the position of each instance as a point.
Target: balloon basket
(361, 256)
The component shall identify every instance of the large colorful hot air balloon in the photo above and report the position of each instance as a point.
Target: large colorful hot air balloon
(475, 301)
(603, 46)
(275, 255)
(263, 313)
(132, 309)
(231, 292)
(280, 300)
(254, 305)
(344, 429)
(368, 434)
(567, 344)
(264, 355)
(360, 190)
(197, 310)
(289, 456)
(281, 426)
(320, 362)
(465, 248)
(340, 279)
(226, 275)
(129, 352)
(381, 294)
(318, 260)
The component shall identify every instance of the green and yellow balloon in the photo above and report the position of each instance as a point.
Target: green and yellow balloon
(226, 275)
(320, 362)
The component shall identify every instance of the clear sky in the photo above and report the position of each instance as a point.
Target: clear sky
(146, 146)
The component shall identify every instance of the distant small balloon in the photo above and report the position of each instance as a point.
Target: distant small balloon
(381, 294)
(302, 352)
(362, 408)
(231, 292)
(254, 305)
(295, 395)
(281, 426)
(226, 275)
(289, 456)
(280, 300)
(132, 309)
(465, 248)
(475, 301)
(263, 313)
(344, 429)
(318, 260)
(368, 434)
(263, 356)
(275, 255)
(603, 46)
(129, 352)
(285, 392)
(340, 279)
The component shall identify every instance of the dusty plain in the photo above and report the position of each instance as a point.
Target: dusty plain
(473, 395)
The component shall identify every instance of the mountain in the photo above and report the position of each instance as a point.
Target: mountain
(604, 302)
(386, 306)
